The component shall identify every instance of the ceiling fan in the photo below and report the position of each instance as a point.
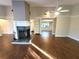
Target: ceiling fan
(60, 9)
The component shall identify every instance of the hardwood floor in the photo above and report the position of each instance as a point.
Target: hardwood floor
(9, 51)
(59, 47)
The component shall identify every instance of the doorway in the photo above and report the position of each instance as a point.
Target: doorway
(46, 25)
(43, 25)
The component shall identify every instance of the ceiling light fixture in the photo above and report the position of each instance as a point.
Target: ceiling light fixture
(57, 13)
(48, 14)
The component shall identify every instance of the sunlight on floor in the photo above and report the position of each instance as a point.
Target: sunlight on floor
(44, 34)
(42, 51)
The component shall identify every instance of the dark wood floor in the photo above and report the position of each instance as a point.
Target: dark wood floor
(61, 48)
(9, 51)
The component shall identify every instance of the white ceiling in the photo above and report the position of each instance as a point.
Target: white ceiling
(51, 3)
(6, 2)
(41, 3)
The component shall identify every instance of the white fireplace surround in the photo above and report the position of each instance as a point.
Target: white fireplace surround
(19, 23)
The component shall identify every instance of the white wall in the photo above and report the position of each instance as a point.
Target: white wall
(63, 22)
(39, 12)
(74, 24)
(6, 20)
(62, 26)
(6, 26)
(2, 12)
(74, 28)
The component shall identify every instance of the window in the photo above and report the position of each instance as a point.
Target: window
(45, 25)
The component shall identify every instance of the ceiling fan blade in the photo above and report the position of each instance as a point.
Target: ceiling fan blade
(64, 11)
(59, 8)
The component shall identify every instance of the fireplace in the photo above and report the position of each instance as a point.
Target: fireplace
(23, 32)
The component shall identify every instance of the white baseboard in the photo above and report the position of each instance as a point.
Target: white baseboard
(60, 35)
(73, 37)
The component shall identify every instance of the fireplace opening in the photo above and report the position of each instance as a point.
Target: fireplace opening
(23, 32)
